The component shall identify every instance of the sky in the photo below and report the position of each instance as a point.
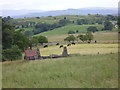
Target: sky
(55, 4)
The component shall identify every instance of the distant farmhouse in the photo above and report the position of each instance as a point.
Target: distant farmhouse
(32, 54)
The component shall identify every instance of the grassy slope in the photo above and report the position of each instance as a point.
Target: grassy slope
(51, 20)
(99, 36)
(64, 30)
(92, 71)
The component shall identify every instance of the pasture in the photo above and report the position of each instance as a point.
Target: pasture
(90, 71)
(53, 36)
(83, 49)
(51, 20)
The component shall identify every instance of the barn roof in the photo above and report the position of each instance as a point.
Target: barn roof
(30, 53)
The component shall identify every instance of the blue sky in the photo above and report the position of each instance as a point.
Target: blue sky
(55, 4)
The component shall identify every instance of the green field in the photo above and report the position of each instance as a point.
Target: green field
(64, 30)
(91, 71)
(51, 20)
(109, 37)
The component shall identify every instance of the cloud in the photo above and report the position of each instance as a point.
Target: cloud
(56, 4)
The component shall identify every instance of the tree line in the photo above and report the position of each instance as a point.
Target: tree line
(88, 37)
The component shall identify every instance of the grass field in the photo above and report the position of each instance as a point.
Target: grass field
(83, 49)
(51, 20)
(99, 36)
(64, 30)
(91, 71)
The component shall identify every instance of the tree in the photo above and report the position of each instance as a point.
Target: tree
(99, 21)
(33, 40)
(77, 31)
(36, 31)
(13, 53)
(108, 25)
(42, 39)
(29, 33)
(70, 38)
(82, 37)
(111, 17)
(7, 35)
(13, 42)
(21, 40)
(7, 19)
(63, 22)
(92, 29)
(89, 36)
(118, 21)
(71, 32)
(82, 21)
(38, 17)
(43, 27)
(65, 17)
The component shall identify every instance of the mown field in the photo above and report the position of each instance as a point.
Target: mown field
(90, 71)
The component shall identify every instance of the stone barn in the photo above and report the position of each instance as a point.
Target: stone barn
(32, 54)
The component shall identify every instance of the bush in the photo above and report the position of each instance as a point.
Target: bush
(29, 33)
(82, 21)
(42, 39)
(108, 25)
(70, 38)
(13, 53)
(63, 22)
(92, 29)
(71, 32)
(82, 37)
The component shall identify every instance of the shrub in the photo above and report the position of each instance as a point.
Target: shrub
(42, 39)
(70, 38)
(71, 32)
(92, 29)
(13, 53)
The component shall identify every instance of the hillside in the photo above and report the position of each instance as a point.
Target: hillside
(58, 34)
(55, 19)
(64, 30)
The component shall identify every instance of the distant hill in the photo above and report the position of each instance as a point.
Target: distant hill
(82, 11)
(17, 12)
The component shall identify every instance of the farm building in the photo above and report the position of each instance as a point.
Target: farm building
(32, 54)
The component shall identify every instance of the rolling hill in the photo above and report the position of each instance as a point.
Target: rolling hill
(64, 30)
(82, 11)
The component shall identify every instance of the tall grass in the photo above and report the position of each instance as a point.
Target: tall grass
(91, 71)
